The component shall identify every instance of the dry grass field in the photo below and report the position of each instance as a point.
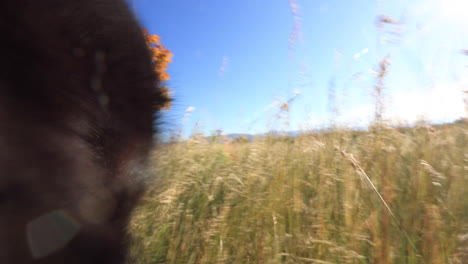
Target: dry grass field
(380, 196)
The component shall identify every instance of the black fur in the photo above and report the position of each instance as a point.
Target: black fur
(77, 105)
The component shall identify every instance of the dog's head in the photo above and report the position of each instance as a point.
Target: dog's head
(78, 96)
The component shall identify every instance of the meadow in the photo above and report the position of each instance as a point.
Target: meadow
(385, 195)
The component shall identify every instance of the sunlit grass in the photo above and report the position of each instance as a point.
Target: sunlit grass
(309, 199)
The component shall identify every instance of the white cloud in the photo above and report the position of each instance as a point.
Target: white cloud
(454, 10)
(188, 113)
(359, 115)
(312, 122)
(190, 109)
(442, 103)
(224, 65)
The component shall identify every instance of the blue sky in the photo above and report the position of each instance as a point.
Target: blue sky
(236, 62)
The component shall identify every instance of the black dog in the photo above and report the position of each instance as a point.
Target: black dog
(78, 97)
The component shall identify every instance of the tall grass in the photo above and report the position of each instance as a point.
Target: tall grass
(387, 196)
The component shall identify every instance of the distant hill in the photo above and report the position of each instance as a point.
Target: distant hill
(252, 136)
(239, 135)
